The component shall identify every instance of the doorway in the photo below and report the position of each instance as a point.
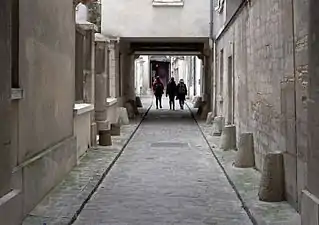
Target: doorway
(160, 69)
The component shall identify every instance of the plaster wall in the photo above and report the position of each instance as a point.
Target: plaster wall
(140, 18)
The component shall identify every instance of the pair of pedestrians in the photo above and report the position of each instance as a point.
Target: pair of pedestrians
(172, 90)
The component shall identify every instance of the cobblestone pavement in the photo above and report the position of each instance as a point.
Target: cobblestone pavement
(166, 175)
(246, 181)
(63, 203)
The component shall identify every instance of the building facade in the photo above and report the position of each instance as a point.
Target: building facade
(157, 27)
(264, 73)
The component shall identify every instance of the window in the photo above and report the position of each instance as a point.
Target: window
(168, 2)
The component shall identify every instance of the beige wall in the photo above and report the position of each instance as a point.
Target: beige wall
(46, 74)
(191, 20)
(264, 84)
(43, 147)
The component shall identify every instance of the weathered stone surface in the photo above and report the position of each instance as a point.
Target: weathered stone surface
(94, 133)
(198, 101)
(130, 110)
(105, 138)
(218, 125)
(123, 118)
(247, 183)
(272, 181)
(172, 182)
(65, 200)
(7, 152)
(131, 107)
(204, 110)
(42, 174)
(138, 102)
(82, 128)
(228, 138)
(210, 118)
(310, 209)
(11, 207)
(245, 155)
(115, 129)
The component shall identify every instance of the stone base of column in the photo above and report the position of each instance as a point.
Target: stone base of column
(138, 102)
(309, 208)
(198, 101)
(210, 118)
(103, 125)
(115, 129)
(228, 138)
(93, 134)
(272, 180)
(123, 116)
(131, 107)
(105, 138)
(245, 157)
(218, 125)
(203, 110)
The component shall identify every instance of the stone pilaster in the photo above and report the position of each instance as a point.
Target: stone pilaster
(89, 71)
(113, 69)
(101, 82)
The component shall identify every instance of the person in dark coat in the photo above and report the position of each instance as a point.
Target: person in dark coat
(181, 93)
(158, 89)
(171, 91)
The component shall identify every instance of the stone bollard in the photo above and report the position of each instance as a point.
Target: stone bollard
(245, 157)
(200, 109)
(115, 129)
(210, 118)
(198, 101)
(271, 187)
(205, 111)
(218, 125)
(228, 138)
(123, 116)
(138, 102)
(130, 110)
(105, 138)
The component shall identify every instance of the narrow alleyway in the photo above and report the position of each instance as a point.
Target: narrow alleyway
(166, 175)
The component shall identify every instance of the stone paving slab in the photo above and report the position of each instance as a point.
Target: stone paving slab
(246, 182)
(63, 203)
(168, 184)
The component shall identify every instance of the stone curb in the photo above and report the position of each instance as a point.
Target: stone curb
(260, 213)
(245, 207)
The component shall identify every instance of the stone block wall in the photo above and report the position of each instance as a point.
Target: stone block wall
(265, 41)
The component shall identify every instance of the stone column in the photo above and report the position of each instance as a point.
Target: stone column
(101, 88)
(89, 71)
(113, 69)
(89, 77)
(310, 197)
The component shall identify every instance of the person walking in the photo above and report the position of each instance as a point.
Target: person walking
(171, 91)
(181, 93)
(158, 89)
